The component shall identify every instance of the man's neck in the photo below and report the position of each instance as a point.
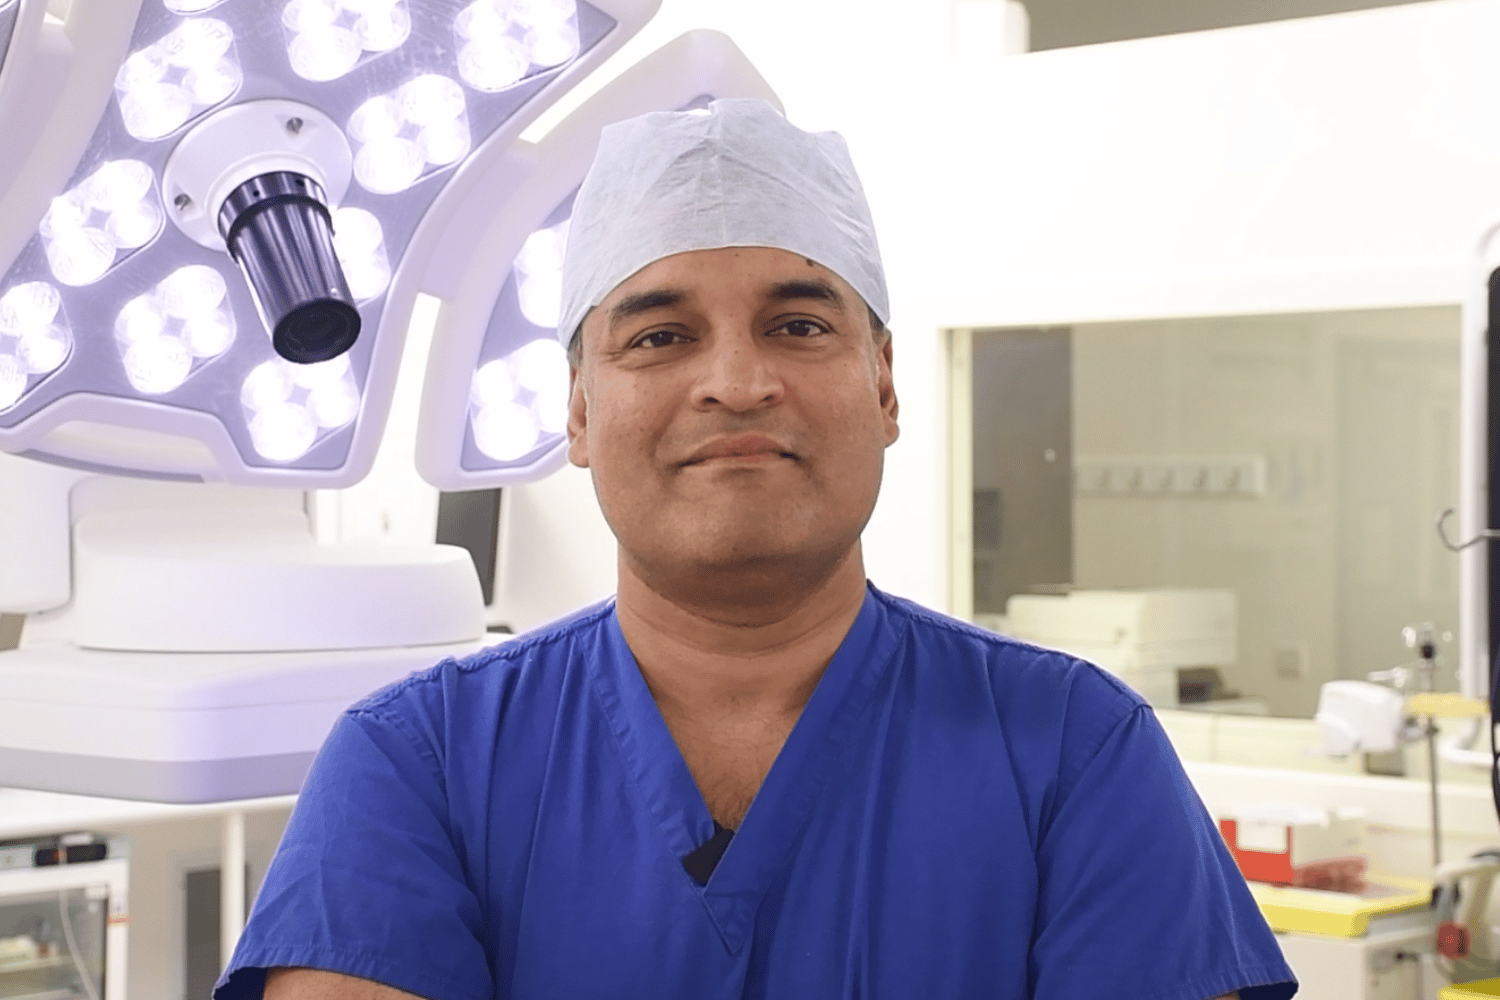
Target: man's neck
(702, 662)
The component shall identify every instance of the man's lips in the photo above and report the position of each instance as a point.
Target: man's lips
(749, 447)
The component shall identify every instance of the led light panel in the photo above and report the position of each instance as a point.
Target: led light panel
(35, 338)
(108, 255)
(178, 77)
(518, 405)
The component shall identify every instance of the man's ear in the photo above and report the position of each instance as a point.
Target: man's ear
(578, 421)
(890, 407)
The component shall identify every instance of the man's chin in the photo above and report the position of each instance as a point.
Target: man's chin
(749, 561)
(748, 555)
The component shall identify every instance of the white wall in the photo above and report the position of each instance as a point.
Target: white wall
(1336, 162)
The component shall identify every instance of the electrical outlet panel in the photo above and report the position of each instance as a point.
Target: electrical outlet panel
(1217, 476)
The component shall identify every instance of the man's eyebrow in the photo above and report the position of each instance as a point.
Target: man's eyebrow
(641, 302)
(813, 288)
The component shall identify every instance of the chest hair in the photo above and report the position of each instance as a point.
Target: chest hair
(729, 760)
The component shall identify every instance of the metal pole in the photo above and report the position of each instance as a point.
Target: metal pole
(231, 885)
(1432, 781)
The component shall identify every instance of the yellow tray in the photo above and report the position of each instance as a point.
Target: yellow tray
(1476, 990)
(1446, 705)
(1339, 914)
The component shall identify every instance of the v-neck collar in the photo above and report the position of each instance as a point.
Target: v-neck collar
(781, 807)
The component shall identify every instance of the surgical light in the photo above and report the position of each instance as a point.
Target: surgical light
(181, 323)
(328, 38)
(90, 226)
(404, 135)
(505, 432)
(28, 307)
(499, 44)
(288, 405)
(156, 365)
(381, 27)
(34, 337)
(12, 379)
(520, 399)
(162, 86)
(360, 244)
(320, 148)
(538, 271)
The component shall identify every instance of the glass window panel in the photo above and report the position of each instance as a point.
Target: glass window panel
(1296, 461)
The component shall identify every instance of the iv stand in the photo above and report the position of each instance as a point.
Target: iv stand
(1420, 638)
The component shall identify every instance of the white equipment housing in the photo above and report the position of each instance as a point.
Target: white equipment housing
(207, 643)
(1360, 717)
(1141, 636)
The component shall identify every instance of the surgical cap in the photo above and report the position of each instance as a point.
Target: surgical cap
(739, 175)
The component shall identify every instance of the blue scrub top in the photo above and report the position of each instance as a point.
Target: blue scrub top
(954, 815)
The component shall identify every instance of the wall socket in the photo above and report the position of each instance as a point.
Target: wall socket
(1290, 662)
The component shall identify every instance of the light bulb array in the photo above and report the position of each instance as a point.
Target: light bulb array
(359, 242)
(163, 86)
(290, 407)
(520, 402)
(402, 136)
(34, 338)
(114, 211)
(328, 38)
(538, 274)
(501, 42)
(167, 334)
(402, 108)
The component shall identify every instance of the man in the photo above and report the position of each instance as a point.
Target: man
(751, 774)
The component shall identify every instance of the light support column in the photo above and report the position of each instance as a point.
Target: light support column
(231, 884)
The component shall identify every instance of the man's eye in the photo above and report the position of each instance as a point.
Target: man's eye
(658, 338)
(802, 328)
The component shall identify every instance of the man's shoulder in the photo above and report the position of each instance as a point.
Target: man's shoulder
(1020, 676)
(496, 670)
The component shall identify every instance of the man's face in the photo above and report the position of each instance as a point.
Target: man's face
(733, 408)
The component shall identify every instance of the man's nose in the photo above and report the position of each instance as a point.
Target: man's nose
(738, 374)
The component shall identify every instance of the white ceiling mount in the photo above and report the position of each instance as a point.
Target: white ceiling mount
(244, 141)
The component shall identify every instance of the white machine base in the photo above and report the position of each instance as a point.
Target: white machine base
(181, 727)
(155, 781)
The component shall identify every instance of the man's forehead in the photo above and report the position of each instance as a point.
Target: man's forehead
(764, 273)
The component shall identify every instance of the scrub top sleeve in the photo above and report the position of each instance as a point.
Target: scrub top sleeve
(1139, 897)
(367, 881)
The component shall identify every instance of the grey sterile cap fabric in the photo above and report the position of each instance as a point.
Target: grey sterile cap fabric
(739, 175)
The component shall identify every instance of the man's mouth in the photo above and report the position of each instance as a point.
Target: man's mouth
(745, 448)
